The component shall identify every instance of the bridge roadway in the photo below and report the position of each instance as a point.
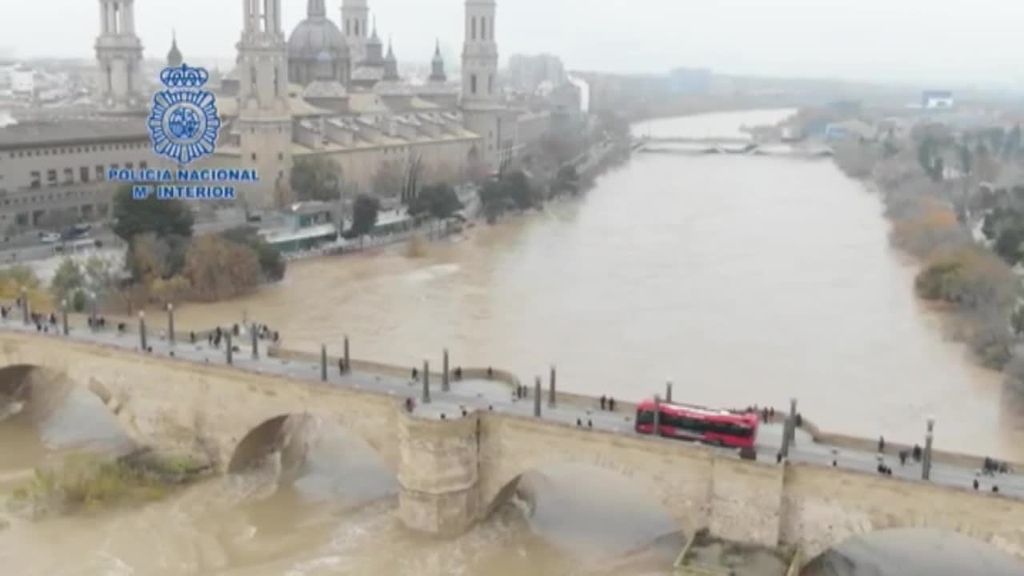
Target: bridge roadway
(492, 395)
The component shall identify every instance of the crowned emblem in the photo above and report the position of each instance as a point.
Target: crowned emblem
(184, 122)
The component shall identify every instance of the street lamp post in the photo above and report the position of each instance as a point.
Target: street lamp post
(142, 330)
(64, 316)
(170, 323)
(926, 462)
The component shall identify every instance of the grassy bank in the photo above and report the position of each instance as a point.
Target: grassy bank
(88, 482)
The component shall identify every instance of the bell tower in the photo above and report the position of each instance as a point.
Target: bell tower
(264, 118)
(483, 111)
(119, 54)
(355, 23)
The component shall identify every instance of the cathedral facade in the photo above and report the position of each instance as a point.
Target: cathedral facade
(333, 91)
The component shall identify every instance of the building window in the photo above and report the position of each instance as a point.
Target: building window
(473, 35)
(69, 176)
(143, 165)
(472, 84)
(490, 84)
(36, 179)
(51, 177)
(253, 156)
(100, 176)
(483, 28)
(129, 166)
(280, 156)
(83, 174)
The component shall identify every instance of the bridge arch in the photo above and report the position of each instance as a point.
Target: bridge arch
(824, 507)
(677, 477)
(576, 504)
(896, 551)
(46, 397)
(294, 436)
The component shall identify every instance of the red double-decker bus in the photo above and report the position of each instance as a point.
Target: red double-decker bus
(717, 427)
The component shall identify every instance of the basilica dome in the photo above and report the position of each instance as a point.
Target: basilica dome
(317, 49)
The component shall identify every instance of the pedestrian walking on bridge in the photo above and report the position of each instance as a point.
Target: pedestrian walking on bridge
(881, 444)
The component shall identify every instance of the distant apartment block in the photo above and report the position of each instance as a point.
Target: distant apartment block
(937, 100)
(60, 168)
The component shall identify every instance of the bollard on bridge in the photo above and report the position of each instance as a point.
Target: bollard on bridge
(789, 429)
(24, 305)
(92, 312)
(170, 323)
(323, 362)
(64, 316)
(348, 367)
(552, 392)
(926, 460)
(445, 384)
(426, 382)
(536, 397)
(142, 331)
(668, 391)
(229, 348)
(255, 342)
(656, 429)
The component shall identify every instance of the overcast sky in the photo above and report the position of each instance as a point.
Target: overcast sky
(921, 41)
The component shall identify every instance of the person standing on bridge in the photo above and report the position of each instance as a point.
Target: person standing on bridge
(611, 404)
(604, 401)
(881, 444)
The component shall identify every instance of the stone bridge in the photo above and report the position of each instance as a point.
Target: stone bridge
(453, 472)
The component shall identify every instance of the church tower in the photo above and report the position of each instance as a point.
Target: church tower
(355, 22)
(437, 74)
(119, 53)
(482, 108)
(480, 53)
(264, 119)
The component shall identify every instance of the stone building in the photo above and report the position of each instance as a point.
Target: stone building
(323, 90)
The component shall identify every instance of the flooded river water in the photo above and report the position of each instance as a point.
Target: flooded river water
(743, 279)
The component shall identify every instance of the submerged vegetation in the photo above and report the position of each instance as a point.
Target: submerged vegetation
(88, 482)
(938, 191)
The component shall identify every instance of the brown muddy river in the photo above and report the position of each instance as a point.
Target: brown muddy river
(743, 279)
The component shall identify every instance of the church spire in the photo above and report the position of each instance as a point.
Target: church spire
(174, 57)
(390, 64)
(437, 74)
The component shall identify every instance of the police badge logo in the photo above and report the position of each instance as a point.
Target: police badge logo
(184, 122)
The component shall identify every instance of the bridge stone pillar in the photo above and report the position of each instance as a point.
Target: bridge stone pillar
(438, 474)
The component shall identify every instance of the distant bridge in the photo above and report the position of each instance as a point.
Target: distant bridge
(735, 146)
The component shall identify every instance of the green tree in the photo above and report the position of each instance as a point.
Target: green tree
(389, 180)
(101, 277)
(316, 178)
(161, 217)
(151, 257)
(567, 180)
(271, 261)
(364, 215)
(439, 201)
(68, 281)
(519, 189)
(217, 268)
